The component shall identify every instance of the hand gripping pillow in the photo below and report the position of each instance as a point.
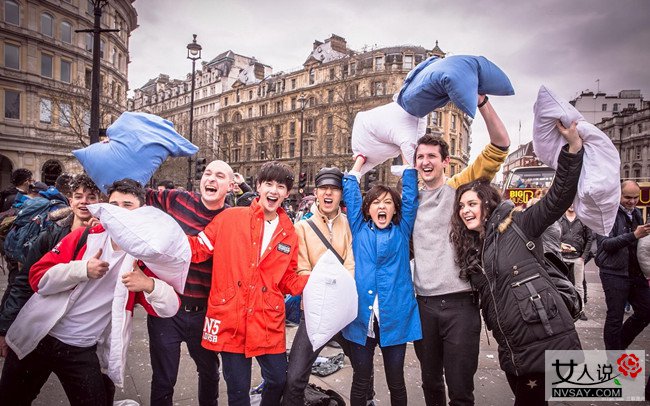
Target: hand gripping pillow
(150, 235)
(330, 300)
(599, 189)
(137, 144)
(459, 78)
(381, 133)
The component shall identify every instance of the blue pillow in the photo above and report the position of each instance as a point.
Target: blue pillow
(137, 145)
(458, 78)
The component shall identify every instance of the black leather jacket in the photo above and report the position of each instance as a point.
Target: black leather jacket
(507, 264)
(616, 253)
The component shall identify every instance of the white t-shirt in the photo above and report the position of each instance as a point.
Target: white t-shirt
(269, 229)
(87, 319)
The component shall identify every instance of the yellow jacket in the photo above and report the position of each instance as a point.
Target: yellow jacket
(485, 165)
(310, 247)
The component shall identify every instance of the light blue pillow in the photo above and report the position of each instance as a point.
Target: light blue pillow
(137, 144)
(458, 78)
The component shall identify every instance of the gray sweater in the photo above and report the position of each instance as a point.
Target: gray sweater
(436, 272)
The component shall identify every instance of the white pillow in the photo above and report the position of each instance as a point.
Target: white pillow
(330, 300)
(643, 255)
(381, 133)
(599, 188)
(150, 235)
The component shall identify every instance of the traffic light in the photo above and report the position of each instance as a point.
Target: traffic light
(199, 168)
(371, 177)
(302, 180)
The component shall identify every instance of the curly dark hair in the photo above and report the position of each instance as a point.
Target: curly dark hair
(129, 187)
(20, 176)
(468, 244)
(374, 193)
(83, 181)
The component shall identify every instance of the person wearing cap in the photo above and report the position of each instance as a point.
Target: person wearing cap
(327, 216)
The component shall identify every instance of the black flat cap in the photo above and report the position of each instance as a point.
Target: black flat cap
(329, 177)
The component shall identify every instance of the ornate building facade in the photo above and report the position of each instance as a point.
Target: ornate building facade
(45, 79)
(254, 115)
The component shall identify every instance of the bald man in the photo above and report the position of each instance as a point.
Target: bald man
(193, 212)
(620, 273)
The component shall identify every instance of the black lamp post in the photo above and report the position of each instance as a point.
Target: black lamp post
(303, 100)
(193, 53)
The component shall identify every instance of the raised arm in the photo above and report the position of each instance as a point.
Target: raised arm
(409, 200)
(352, 195)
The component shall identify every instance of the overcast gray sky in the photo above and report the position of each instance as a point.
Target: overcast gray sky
(565, 45)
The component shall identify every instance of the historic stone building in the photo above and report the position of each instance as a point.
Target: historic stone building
(630, 132)
(263, 121)
(45, 79)
(595, 107)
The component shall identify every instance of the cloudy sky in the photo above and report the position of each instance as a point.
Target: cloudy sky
(565, 45)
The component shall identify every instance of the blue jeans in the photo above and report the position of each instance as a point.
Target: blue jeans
(361, 357)
(618, 290)
(165, 338)
(451, 333)
(237, 373)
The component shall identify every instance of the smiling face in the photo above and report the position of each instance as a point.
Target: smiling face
(328, 198)
(470, 211)
(79, 199)
(430, 165)
(216, 182)
(382, 210)
(272, 194)
(630, 195)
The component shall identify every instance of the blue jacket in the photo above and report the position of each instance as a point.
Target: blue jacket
(382, 268)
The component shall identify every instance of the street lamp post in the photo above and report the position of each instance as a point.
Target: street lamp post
(193, 53)
(303, 100)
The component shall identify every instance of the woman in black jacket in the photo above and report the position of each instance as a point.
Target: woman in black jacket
(501, 268)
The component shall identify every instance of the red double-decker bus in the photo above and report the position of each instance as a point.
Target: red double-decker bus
(523, 183)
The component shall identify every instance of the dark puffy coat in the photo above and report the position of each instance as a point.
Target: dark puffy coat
(507, 308)
(616, 249)
(578, 236)
(19, 292)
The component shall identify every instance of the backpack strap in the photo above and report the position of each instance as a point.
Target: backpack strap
(324, 240)
(81, 242)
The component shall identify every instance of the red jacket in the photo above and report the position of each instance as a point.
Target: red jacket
(246, 304)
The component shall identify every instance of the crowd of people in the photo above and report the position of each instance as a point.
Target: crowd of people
(68, 301)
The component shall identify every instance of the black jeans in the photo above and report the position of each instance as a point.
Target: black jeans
(361, 357)
(237, 373)
(451, 333)
(76, 367)
(165, 338)
(528, 389)
(301, 357)
(618, 290)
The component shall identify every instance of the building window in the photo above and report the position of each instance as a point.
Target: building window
(89, 42)
(46, 111)
(453, 122)
(330, 96)
(293, 84)
(225, 101)
(278, 151)
(378, 88)
(65, 115)
(88, 78)
(349, 148)
(630, 105)
(407, 62)
(452, 146)
(353, 91)
(12, 12)
(312, 78)
(46, 65)
(46, 24)
(237, 96)
(353, 68)
(329, 145)
(66, 71)
(263, 110)
(330, 124)
(250, 112)
(638, 153)
(615, 108)
(12, 104)
(379, 63)
(332, 74)
(12, 56)
(90, 7)
(311, 102)
(292, 149)
(262, 133)
(102, 43)
(250, 95)
(235, 155)
(604, 107)
(310, 125)
(293, 103)
(278, 106)
(66, 32)
(278, 130)
(292, 128)
(262, 152)
(248, 153)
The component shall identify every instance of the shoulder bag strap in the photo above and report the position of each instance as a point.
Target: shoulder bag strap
(324, 240)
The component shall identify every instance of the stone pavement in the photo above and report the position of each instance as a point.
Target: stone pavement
(491, 387)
